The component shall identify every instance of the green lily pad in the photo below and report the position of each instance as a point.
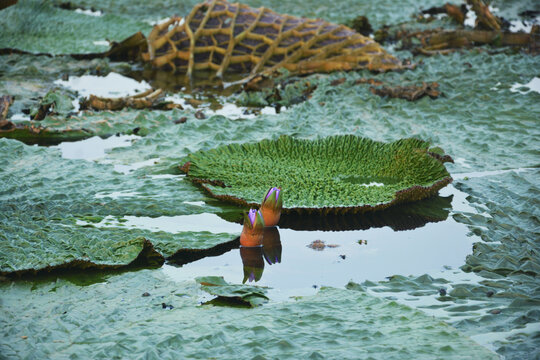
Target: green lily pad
(333, 324)
(52, 210)
(336, 174)
(39, 27)
(232, 294)
(56, 129)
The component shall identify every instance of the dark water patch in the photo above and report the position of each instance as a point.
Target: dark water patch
(200, 82)
(400, 218)
(187, 256)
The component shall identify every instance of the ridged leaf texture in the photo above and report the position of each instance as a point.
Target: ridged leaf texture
(222, 36)
(335, 174)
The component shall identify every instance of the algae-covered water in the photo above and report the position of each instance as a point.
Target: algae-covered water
(86, 224)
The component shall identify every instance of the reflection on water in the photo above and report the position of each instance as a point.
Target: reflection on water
(372, 254)
(253, 257)
(272, 245)
(175, 82)
(401, 217)
(252, 260)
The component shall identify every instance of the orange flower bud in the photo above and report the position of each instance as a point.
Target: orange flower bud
(271, 206)
(252, 233)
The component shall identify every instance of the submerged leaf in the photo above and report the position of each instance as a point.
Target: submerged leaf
(337, 174)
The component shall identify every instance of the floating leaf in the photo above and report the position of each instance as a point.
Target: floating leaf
(52, 215)
(333, 324)
(337, 174)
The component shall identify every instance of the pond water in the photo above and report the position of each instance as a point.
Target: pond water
(93, 148)
(288, 263)
(290, 267)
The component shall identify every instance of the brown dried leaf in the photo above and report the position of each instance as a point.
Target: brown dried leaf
(226, 37)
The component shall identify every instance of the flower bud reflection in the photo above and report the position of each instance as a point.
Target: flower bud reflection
(271, 245)
(252, 258)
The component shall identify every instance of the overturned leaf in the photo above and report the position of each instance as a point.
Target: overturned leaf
(222, 37)
(231, 294)
(337, 174)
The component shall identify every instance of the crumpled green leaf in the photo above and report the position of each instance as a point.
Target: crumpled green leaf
(57, 102)
(44, 198)
(40, 27)
(334, 323)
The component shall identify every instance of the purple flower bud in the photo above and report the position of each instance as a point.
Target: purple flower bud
(272, 190)
(252, 216)
(277, 193)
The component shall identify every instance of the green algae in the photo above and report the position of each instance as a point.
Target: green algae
(334, 174)
(167, 322)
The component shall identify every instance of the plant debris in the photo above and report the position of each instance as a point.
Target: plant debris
(223, 37)
(5, 102)
(7, 3)
(319, 245)
(410, 92)
(147, 99)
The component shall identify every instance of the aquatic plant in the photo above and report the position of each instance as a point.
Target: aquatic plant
(271, 206)
(252, 232)
(336, 174)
